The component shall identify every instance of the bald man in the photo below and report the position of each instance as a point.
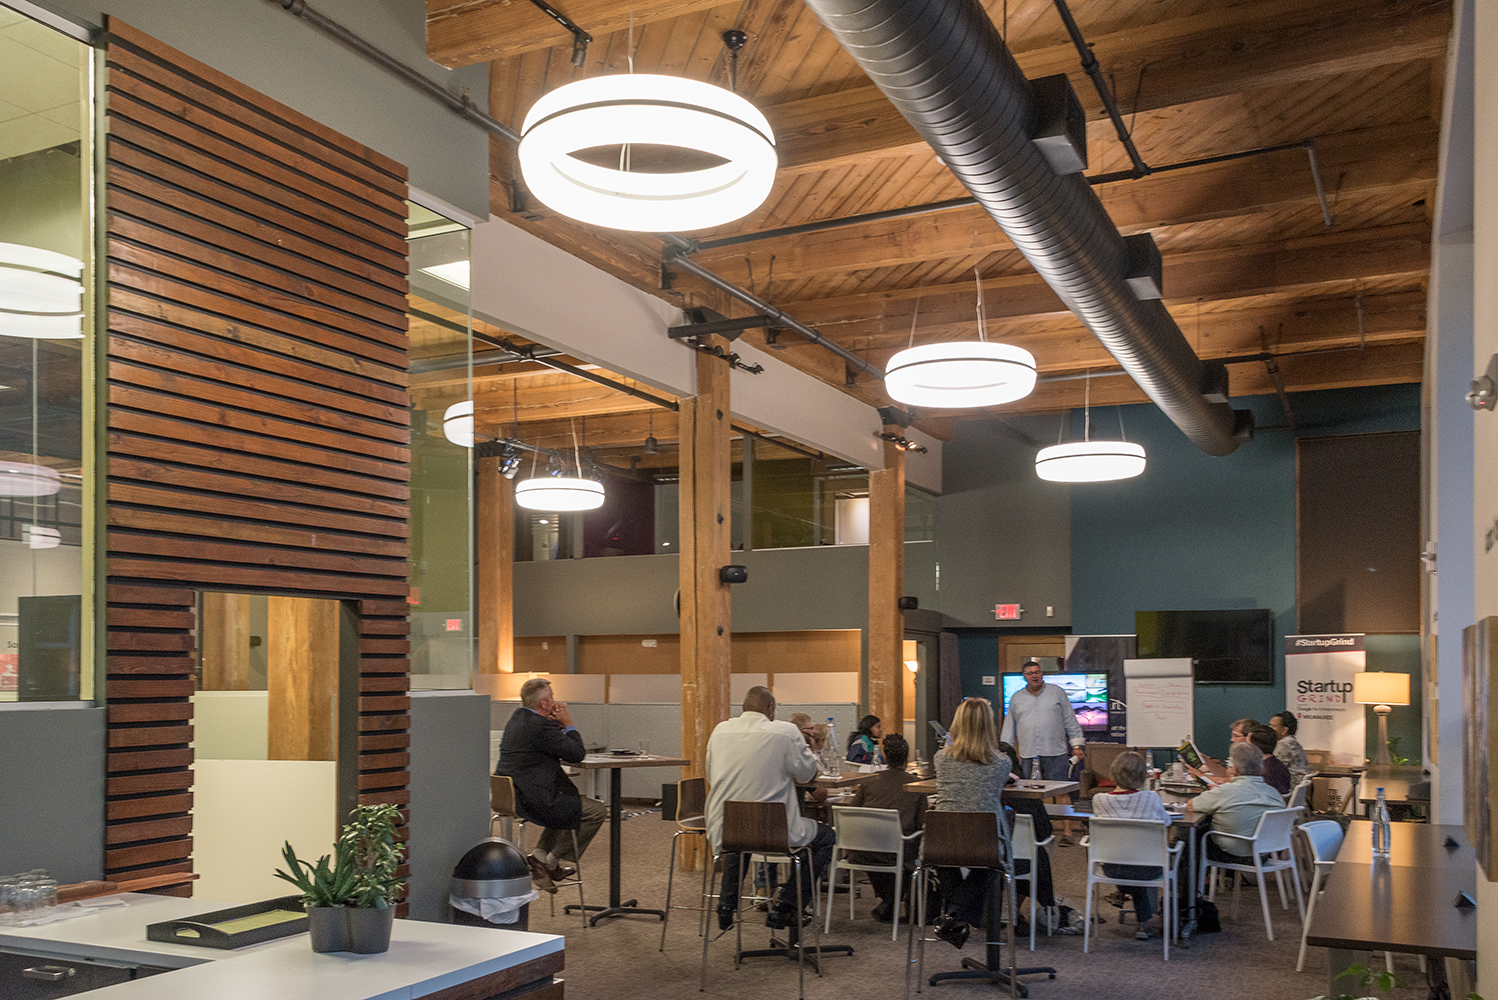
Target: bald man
(753, 758)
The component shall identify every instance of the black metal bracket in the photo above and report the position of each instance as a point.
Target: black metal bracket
(580, 38)
(902, 442)
(733, 359)
(729, 328)
(520, 202)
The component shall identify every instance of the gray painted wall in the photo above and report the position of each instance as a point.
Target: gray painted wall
(788, 590)
(262, 46)
(52, 795)
(1004, 535)
(449, 791)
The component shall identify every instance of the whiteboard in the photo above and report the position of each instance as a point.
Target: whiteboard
(1160, 695)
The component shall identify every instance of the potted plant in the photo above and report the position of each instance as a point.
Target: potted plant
(1367, 979)
(350, 895)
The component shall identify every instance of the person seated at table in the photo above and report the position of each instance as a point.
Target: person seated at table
(1235, 807)
(1276, 774)
(802, 721)
(886, 790)
(863, 742)
(538, 737)
(1045, 894)
(1214, 771)
(1131, 800)
(1288, 748)
(970, 776)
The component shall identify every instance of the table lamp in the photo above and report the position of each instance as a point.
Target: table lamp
(1381, 690)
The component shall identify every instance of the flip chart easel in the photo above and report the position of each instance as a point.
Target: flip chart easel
(1161, 696)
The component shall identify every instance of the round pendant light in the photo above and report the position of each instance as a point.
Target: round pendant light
(38, 537)
(559, 493)
(639, 110)
(1089, 461)
(961, 374)
(22, 479)
(41, 296)
(457, 423)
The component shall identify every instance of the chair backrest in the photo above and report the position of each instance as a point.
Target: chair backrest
(860, 828)
(1023, 837)
(1126, 841)
(1299, 793)
(963, 840)
(691, 801)
(1325, 838)
(758, 827)
(502, 795)
(1274, 829)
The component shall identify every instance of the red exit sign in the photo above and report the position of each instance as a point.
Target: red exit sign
(455, 624)
(1007, 612)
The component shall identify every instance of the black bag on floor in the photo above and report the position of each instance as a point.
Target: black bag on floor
(1207, 921)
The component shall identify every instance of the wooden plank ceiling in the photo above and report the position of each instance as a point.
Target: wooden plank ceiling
(1251, 265)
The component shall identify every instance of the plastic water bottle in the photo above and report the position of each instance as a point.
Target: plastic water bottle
(830, 755)
(1381, 831)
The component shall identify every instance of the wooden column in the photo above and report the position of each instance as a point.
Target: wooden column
(495, 514)
(224, 636)
(886, 585)
(302, 678)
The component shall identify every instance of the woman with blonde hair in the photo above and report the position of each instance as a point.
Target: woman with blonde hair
(970, 777)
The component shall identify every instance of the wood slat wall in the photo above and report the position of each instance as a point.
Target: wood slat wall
(258, 434)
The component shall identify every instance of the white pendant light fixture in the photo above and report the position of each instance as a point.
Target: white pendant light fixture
(22, 479)
(638, 110)
(1089, 461)
(41, 296)
(37, 536)
(558, 492)
(457, 423)
(960, 374)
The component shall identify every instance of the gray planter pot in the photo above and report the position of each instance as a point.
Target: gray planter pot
(340, 928)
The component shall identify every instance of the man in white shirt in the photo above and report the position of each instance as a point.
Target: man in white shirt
(753, 758)
(1039, 725)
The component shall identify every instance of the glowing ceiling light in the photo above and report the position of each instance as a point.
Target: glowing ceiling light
(21, 479)
(1089, 461)
(38, 537)
(457, 423)
(642, 109)
(962, 374)
(559, 493)
(41, 296)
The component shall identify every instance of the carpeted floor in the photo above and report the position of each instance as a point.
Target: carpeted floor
(620, 957)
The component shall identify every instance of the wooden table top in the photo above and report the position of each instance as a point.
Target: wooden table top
(598, 761)
(1418, 845)
(841, 780)
(1386, 907)
(1065, 810)
(1018, 790)
(1401, 785)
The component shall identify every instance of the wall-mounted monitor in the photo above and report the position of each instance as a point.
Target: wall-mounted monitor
(1229, 647)
(1088, 694)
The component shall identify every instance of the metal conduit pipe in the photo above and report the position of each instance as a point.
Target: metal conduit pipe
(944, 66)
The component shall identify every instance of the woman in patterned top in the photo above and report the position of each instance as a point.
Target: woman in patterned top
(863, 742)
(970, 776)
(1288, 749)
(1131, 801)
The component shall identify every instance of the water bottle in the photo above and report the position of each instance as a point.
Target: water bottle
(1381, 831)
(830, 755)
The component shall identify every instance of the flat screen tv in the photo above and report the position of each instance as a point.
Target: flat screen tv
(1088, 694)
(1229, 647)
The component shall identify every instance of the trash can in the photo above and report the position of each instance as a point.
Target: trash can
(491, 887)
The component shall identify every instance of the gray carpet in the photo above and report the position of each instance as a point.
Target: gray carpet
(620, 957)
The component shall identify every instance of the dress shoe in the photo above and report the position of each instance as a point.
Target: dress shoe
(884, 912)
(779, 919)
(952, 930)
(539, 874)
(725, 917)
(556, 871)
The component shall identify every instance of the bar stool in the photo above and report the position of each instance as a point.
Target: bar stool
(967, 840)
(502, 806)
(760, 828)
(691, 821)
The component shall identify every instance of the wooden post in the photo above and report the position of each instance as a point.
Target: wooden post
(886, 584)
(224, 633)
(302, 678)
(705, 533)
(495, 517)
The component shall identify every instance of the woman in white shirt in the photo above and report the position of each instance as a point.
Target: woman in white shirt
(1130, 800)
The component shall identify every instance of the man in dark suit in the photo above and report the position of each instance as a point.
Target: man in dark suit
(886, 790)
(538, 737)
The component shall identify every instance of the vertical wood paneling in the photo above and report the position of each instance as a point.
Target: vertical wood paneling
(259, 432)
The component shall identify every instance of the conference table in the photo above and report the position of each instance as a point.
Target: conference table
(1018, 790)
(615, 763)
(1407, 903)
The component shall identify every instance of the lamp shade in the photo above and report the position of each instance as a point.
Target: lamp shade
(559, 493)
(960, 374)
(1381, 688)
(457, 423)
(41, 296)
(1089, 461)
(643, 109)
(22, 479)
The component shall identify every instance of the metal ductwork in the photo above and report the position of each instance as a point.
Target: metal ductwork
(944, 66)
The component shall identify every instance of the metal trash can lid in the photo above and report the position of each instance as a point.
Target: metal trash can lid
(493, 869)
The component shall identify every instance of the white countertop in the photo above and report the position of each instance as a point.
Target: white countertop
(423, 957)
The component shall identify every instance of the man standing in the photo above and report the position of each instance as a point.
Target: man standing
(753, 758)
(886, 790)
(1040, 724)
(538, 737)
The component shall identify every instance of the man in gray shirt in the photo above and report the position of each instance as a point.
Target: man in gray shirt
(1040, 724)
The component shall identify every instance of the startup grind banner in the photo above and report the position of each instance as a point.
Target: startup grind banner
(1318, 687)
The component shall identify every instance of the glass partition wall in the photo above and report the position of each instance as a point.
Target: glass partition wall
(46, 338)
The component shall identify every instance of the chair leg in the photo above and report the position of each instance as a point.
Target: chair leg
(1300, 903)
(670, 879)
(1263, 896)
(920, 962)
(796, 922)
(577, 856)
(1300, 960)
(1279, 880)
(707, 938)
(1087, 913)
(894, 934)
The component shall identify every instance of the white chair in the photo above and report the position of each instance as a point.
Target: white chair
(1132, 842)
(1324, 837)
(1027, 848)
(1299, 795)
(1271, 837)
(860, 828)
